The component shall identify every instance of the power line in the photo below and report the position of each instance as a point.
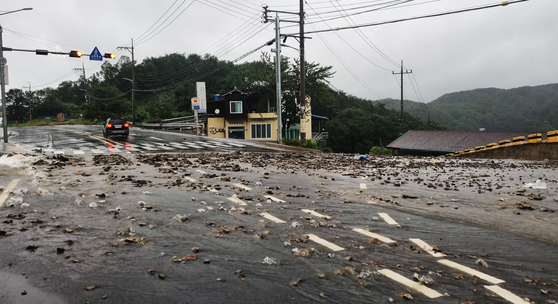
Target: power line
(505, 3)
(138, 38)
(367, 41)
(152, 36)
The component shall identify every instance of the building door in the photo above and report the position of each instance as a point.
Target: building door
(236, 132)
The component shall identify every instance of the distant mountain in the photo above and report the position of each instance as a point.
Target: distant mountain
(524, 109)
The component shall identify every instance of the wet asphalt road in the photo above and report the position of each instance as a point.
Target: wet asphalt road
(247, 258)
(82, 140)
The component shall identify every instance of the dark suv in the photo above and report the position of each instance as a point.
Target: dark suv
(116, 126)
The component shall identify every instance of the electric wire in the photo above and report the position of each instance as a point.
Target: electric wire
(370, 43)
(347, 67)
(152, 36)
(419, 17)
(139, 37)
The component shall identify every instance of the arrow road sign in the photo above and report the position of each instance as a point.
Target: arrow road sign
(96, 55)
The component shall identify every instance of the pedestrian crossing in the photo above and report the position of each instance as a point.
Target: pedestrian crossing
(152, 147)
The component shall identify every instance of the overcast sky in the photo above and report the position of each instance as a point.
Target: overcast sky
(503, 47)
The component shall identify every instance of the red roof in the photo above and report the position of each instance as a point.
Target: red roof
(450, 141)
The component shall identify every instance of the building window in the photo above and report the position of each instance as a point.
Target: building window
(236, 107)
(261, 130)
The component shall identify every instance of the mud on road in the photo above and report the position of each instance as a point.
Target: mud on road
(274, 228)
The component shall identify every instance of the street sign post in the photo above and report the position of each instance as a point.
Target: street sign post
(200, 90)
(96, 55)
(195, 103)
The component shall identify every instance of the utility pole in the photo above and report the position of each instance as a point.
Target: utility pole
(302, 61)
(402, 73)
(278, 77)
(131, 50)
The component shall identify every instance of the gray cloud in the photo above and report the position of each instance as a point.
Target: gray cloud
(502, 47)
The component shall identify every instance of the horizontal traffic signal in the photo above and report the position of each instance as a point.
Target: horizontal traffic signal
(76, 54)
(110, 55)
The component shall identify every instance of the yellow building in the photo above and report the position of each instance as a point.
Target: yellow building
(234, 115)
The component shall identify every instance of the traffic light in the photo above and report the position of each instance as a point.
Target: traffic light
(110, 55)
(76, 54)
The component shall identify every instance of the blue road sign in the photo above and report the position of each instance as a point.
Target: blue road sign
(96, 55)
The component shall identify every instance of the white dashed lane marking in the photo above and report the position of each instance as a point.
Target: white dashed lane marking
(427, 248)
(201, 171)
(411, 284)
(7, 191)
(506, 294)
(272, 218)
(362, 186)
(471, 271)
(238, 201)
(277, 200)
(387, 218)
(314, 213)
(374, 235)
(324, 243)
(241, 186)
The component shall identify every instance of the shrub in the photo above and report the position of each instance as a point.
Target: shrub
(380, 151)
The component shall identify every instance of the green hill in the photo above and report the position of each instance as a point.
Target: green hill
(524, 109)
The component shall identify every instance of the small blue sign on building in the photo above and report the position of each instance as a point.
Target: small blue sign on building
(96, 55)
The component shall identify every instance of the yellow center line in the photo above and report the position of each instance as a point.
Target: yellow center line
(471, 271)
(427, 248)
(272, 218)
(314, 213)
(387, 218)
(411, 284)
(7, 191)
(324, 243)
(505, 294)
(374, 235)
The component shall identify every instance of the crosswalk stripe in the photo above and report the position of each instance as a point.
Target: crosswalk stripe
(431, 293)
(165, 147)
(314, 213)
(272, 218)
(58, 151)
(387, 218)
(427, 248)
(193, 145)
(471, 271)
(324, 243)
(97, 151)
(374, 235)
(506, 294)
(362, 186)
(79, 152)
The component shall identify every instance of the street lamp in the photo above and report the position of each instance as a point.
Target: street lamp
(133, 100)
(2, 77)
